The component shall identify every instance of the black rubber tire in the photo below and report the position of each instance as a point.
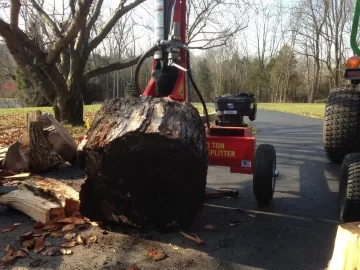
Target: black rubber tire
(341, 126)
(349, 188)
(264, 173)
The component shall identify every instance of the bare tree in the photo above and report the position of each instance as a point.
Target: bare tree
(339, 15)
(69, 44)
(313, 15)
(212, 23)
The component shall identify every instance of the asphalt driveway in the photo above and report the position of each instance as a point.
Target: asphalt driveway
(297, 231)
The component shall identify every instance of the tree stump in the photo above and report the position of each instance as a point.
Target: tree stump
(41, 154)
(346, 254)
(146, 163)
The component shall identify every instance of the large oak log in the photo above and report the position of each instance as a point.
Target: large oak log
(346, 254)
(146, 163)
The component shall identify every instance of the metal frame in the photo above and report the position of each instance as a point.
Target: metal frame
(233, 147)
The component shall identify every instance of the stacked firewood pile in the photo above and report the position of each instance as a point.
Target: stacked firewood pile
(44, 146)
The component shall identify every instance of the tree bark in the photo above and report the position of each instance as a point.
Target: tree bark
(146, 163)
(41, 154)
(69, 107)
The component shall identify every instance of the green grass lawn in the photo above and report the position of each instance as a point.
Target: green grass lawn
(13, 120)
(315, 110)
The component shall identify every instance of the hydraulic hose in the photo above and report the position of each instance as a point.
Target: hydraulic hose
(196, 88)
(147, 54)
(139, 64)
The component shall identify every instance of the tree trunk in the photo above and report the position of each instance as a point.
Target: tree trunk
(146, 163)
(69, 108)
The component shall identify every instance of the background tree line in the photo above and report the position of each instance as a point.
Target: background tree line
(281, 52)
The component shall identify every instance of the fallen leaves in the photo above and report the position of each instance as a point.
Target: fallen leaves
(21, 253)
(9, 249)
(56, 251)
(56, 234)
(92, 239)
(95, 224)
(29, 243)
(80, 240)
(3, 265)
(11, 255)
(69, 236)
(134, 267)
(155, 255)
(35, 239)
(79, 221)
(69, 227)
(39, 225)
(26, 236)
(69, 243)
(83, 227)
(211, 227)
(10, 228)
(41, 244)
(51, 227)
(193, 237)
(66, 220)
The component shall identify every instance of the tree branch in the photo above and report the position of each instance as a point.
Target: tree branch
(70, 34)
(85, 31)
(21, 37)
(14, 15)
(94, 16)
(47, 19)
(19, 54)
(119, 12)
(111, 67)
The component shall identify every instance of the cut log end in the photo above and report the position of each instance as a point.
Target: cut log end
(146, 163)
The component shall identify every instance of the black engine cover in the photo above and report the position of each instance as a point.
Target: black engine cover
(230, 109)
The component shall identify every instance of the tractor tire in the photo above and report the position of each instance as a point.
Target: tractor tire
(341, 126)
(349, 188)
(264, 173)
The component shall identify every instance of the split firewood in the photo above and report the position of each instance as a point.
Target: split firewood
(31, 117)
(18, 176)
(42, 154)
(3, 151)
(16, 157)
(43, 199)
(50, 143)
(55, 191)
(36, 207)
(346, 254)
(61, 140)
(146, 163)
